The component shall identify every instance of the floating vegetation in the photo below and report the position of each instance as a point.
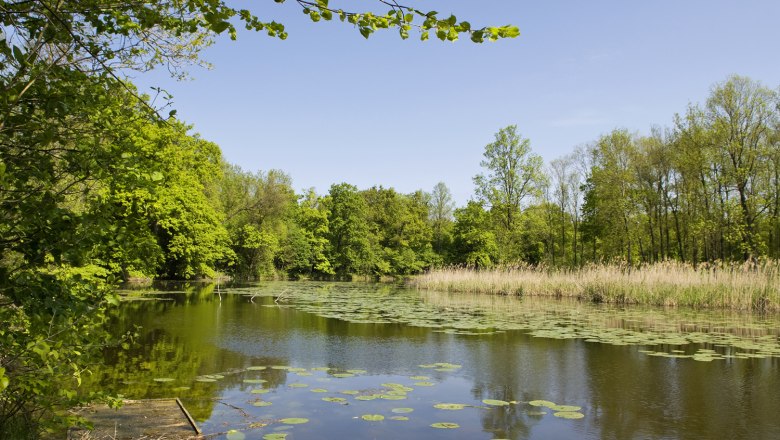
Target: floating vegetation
(255, 381)
(256, 368)
(235, 435)
(445, 425)
(544, 403)
(260, 391)
(335, 399)
(350, 392)
(565, 408)
(392, 397)
(494, 402)
(424, 384)
(542, 318)
(276, 436)
(373, 417)
(356, 371)
(368, 397)
(399, 418)
(569, 415)
(402, 410)
(204, 379)
(298, 385)
(164, 379)
(280, 367)
(450, 406)
(294, 421)
(261, 403)
(419, 377)
(343, 375)
(318, 390)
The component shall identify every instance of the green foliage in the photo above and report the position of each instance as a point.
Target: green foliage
(474, 244)
(348, 235)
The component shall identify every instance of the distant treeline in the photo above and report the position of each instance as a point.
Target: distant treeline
(149, 199)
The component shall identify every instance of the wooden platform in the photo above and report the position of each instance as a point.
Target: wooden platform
(151, 419)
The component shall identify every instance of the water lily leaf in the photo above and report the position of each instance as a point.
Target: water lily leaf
(163, 379)
(401, 410)
(262, 403)
(569, 415)
(335, 399)
(545, 403)
(495, 402)
(424, 384)
(280, 367)
(181, 388)
(255, 381)
(350, 392)
(303, 373)
(276, 436)
(256, 368)
(368, 397)
(450, 406)
(565, 408)
(294, 421)
(419, 378)
(399, 418)
(204, 379)
(297, 385)
(392, 396)
(318, 390)
(235, 435)
(320, 369)
(343, 375)
(373, 417)
(445, 425)
(260, 391)
(356, 371)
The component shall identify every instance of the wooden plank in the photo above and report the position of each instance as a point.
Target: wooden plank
(139, 419)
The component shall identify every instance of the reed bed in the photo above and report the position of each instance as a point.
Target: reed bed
(750, 286)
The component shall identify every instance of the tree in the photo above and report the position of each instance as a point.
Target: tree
(440, 212)
(514, 173)
(474, 244)
(349, 235)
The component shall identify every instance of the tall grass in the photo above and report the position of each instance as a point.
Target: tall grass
(730, 286)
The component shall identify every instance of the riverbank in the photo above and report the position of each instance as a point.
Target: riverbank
(738, 287)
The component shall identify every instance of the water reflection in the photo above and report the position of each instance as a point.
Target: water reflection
(389, 332)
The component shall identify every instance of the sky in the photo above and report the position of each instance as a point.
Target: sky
(328, 106)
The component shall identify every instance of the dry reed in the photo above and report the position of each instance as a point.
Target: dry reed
(754, 286)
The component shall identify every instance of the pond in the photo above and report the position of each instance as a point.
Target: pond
(308, 360)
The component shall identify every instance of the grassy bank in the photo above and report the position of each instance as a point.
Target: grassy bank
(741, 287)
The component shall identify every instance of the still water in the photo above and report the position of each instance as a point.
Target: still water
(306, 360)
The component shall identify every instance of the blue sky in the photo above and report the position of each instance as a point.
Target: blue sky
(328, 106)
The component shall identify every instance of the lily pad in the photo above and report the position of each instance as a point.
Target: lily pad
(256, 368)
(335, 399)
(255, 381)
(373, 417)
(260, 391)
(368, 397)
(343, 375)
(318, 390)
(262, 403)
(204, 379)
(356, 371)
(350, 392)
(235, 435)
(401, 410)
(450, 406)
(276, 436)
(298, 385)
(495, 402)
(544, 403)
(392, 396)
(399, 418)
(294, 421)
(424, 384)
(163, 379)
(445, 425)
(569, 415)
(419, 378)
(565, 408)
